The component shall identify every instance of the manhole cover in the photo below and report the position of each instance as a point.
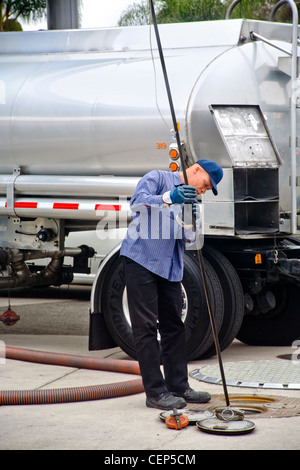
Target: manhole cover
(261, 374)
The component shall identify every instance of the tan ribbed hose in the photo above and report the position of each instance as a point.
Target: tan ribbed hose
(94, 392)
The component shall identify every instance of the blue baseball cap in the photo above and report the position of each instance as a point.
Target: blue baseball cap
(215, 173)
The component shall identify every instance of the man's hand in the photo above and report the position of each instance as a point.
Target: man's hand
(182, 194)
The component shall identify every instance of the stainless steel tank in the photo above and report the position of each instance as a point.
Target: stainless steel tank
(93, 102)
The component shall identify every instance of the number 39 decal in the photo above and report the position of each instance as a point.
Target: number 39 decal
(161, 146)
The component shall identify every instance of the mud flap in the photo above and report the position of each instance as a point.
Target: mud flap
(99, 336)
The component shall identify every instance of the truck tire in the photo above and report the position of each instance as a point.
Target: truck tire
(198, 331)
(199, 337)
(233, 298)
(278, 327)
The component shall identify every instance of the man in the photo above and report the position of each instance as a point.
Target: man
(153, 262)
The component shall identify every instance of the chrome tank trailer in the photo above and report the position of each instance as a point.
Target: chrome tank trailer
(84, 114)
(93, 102)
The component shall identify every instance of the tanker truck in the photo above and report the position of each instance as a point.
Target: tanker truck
(85, 114)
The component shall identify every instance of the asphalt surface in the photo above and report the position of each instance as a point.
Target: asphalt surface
(56, 320)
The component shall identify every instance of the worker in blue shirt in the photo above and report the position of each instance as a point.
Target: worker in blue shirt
(153, 261)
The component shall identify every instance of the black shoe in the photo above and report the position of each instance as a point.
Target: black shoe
(191, 396)
(165, 401)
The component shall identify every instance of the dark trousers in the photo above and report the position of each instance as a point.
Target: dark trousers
(156, 302)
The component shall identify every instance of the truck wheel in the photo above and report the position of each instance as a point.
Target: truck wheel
(233, 298)
(279, 326)
(198, 331)
(199, 335)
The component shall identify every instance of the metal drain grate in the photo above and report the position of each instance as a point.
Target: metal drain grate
(260, 374)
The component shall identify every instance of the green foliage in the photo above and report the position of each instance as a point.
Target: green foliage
(174, 11)
(261, 10)
(191, 10)
(27, 9)
(12, 25)
(255, 9)
(136, 14)
(284, 14)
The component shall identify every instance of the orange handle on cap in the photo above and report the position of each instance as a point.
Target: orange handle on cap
(178, 423)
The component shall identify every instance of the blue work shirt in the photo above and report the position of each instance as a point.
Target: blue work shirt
(154, 239)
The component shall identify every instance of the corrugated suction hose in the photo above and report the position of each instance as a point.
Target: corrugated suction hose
(94, 392)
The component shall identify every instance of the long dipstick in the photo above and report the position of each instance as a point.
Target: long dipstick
(200, 257)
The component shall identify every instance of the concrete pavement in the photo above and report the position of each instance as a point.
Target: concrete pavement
(114, 425)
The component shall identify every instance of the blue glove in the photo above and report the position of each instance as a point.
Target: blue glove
(183, 194)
